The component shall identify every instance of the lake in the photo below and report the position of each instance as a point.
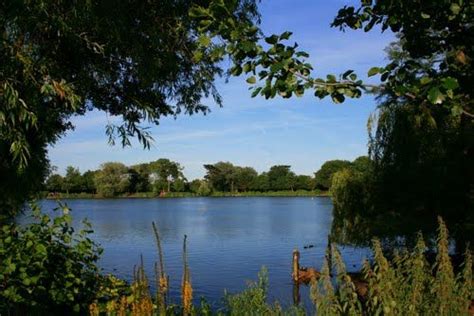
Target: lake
(229, 239)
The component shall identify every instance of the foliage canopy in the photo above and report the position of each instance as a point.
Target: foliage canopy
(132, 59)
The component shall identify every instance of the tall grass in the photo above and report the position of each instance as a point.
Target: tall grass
(186, 287)
(162, 280)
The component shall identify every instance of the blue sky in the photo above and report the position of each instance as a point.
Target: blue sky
(301, 132)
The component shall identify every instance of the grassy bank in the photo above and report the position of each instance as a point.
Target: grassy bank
(150, 195)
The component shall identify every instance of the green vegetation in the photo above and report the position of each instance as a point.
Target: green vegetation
(406, 285)
(408, 282)
(350, 188)
(202, 193)
(140, 61)
(323, 178)
(422, 133)
(46, 267)
(145, 60)
(112, 179)
(165, 178)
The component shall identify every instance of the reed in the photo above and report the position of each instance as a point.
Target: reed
(186, 287)
(162, 280)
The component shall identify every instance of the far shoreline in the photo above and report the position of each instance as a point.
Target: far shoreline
(168, 195)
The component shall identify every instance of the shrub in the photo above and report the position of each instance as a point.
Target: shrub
(46, 267)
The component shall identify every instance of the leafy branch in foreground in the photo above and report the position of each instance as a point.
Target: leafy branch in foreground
(284, 71)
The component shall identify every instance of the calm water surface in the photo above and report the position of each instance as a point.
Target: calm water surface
(229, 239)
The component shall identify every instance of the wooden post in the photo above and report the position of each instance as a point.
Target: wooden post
(296, 265)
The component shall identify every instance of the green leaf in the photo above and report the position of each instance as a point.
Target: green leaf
(247, 68)
(455, 8)
(197, 11)
(247, 46)
(256, 92)
(197, 56)
(286, 35)
(435, 96)
(456, 110)
(347, 73)
(251, 80)
(425, 80)
(302, 54)
(11, 267)
(299, 91)
(271, 39)
(331, 78)
(236, 70)
(373, 71)
(276, 67)
(337, 98)
(425, 15)
(450, 83)
(41, 249)
(204, 40)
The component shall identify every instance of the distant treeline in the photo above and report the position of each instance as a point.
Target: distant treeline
(166, 176)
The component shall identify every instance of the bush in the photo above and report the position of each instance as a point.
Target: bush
(47, 268)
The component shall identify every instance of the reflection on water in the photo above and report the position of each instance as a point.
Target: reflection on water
(229, 239)
(397, 231)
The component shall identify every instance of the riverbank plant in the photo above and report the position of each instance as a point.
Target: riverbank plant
(409, 284)
(46, 266)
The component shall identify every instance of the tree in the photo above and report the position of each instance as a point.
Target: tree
(72, 182)
(424, 150)
(179, 185)
(304, 182)
(244, 178)
(261, 183)
(133, 77)
(112, 179)
(54, 183)
(88, 181)
(204, 188)
(280, 178)
(133, 59)
(362, 164)
(194, 185)
(425, 93)
(163, 172)
(323, 177)
(140, 178)
(221, 176)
